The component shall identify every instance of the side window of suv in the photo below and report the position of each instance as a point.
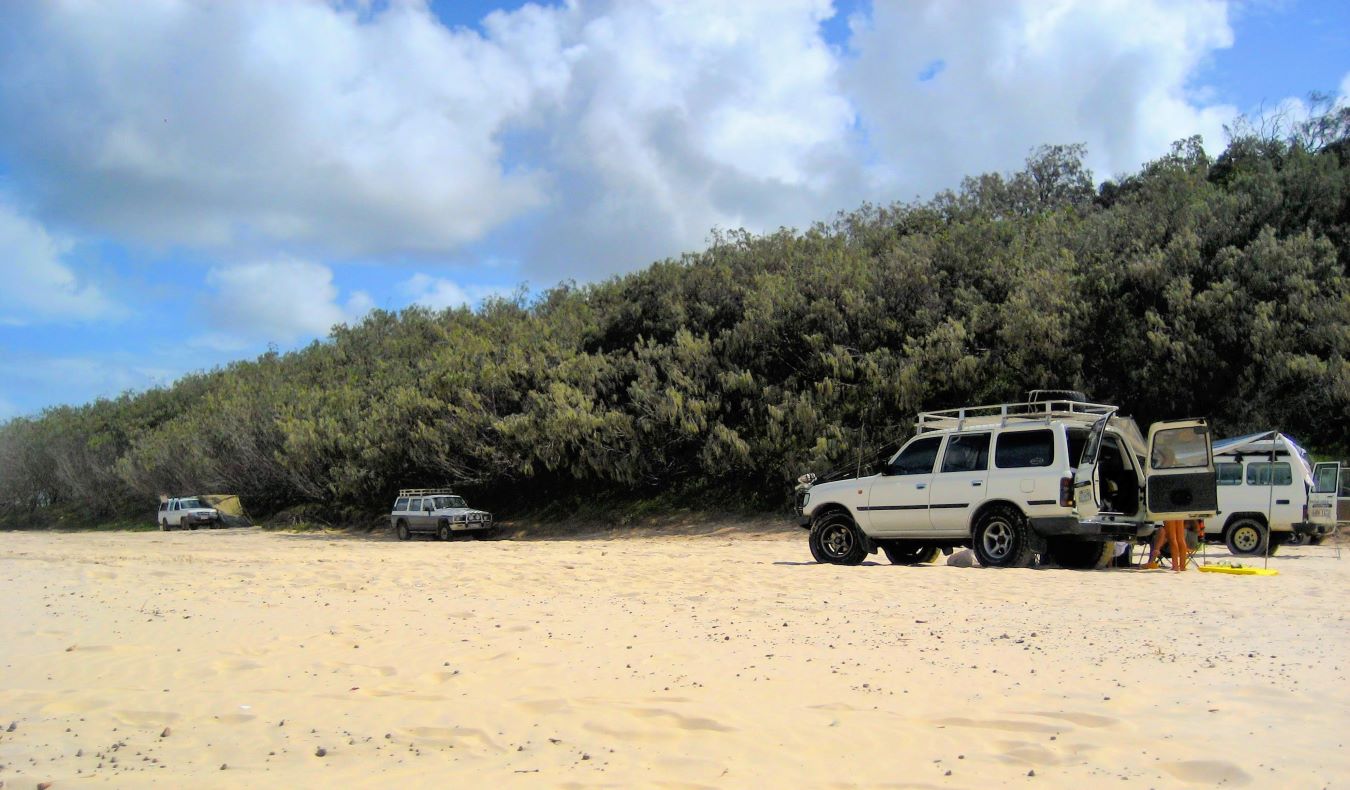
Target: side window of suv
(917, 458)
(401, 504)
(415, 504)
(1020, 449)
(969, 453)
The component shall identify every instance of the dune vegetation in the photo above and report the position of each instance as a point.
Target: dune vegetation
(1196, 286)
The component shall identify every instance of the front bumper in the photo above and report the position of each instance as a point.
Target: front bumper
(1071, 526)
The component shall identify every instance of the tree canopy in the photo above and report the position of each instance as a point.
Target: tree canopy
(1194, 287)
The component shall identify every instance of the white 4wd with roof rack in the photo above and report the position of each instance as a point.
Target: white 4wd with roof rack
(1064, 478)
(437, 511)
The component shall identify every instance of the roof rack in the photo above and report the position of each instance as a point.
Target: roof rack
(1003, 413)
(423, 491)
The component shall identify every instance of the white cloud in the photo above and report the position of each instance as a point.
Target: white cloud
(586, 138)
(439, 293)
(276, 301)
(221, 124)
(1113, 74)
(39, 286)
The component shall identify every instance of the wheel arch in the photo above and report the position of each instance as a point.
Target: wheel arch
(987, 506)
(1256, 516)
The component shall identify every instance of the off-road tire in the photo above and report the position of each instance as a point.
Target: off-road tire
(1246, 537)
(443, 531)
(1002, 538)
(401, 530)
(910, 554)
(835, 539)
(1081, 555)
(164, 525)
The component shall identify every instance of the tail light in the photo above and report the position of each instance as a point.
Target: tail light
(1066, 492)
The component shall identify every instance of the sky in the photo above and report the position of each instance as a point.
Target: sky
(184, 183)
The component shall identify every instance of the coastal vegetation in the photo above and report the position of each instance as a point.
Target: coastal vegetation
(1197, 286)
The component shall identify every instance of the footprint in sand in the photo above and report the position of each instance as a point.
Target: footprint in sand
(145, 718)
(1081, 719)
(683, 722)
(1208, 772)
(998, 724)
(1025, 752)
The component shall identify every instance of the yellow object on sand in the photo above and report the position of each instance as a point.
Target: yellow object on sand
(1239, 571)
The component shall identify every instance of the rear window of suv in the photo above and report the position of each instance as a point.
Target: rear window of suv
(1022, 449)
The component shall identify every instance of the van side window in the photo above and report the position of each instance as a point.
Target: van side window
(1260, 474)
(1020, 449)
(917, 458)
(969, 453)
(416, 504)
(401, 504)
(1228, 474)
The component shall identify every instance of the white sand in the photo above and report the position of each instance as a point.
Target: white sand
(715, 661)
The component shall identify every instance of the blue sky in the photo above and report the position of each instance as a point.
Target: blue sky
(184, 184)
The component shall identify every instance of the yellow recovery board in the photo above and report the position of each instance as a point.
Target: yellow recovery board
(1239, 571)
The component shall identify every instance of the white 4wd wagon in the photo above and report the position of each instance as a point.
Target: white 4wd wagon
(1059, 477)
(436, 511)
(187, 512)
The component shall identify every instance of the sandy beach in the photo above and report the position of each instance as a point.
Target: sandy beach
(239, 658)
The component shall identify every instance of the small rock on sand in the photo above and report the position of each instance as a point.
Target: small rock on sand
(964, 558)
(320, 752)
(165, 733)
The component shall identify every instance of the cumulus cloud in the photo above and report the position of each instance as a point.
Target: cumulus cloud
(39, 286)
(276, 301)
(439, 293)
(221, 124)
(1114, 74)
(586, 138)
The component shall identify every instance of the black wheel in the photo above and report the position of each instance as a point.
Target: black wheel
(401, 529)
(835, 539)
(443, 531)
(909, 553)
(1083, 555)
(164, 525)
(1002, 538)
(1246, 537)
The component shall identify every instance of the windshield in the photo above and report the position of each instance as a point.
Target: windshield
(449, 501)
(192, 502)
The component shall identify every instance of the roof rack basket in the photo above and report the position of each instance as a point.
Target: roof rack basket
(423, 491)
(1004, 413)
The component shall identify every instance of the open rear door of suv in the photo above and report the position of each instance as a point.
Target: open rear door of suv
(1179, 473)
(1086, 480)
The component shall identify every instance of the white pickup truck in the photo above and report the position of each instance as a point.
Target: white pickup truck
(186, 513)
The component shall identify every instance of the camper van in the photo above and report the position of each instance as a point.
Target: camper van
(1264, 481)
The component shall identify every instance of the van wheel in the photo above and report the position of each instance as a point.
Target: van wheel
(909, 554)
(1082, 555)
(1002, 538)
(401, 529)
(443, 531)
(835, 539)
(1246, 537)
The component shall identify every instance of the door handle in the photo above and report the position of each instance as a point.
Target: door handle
(920, 485)
(977, 482)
